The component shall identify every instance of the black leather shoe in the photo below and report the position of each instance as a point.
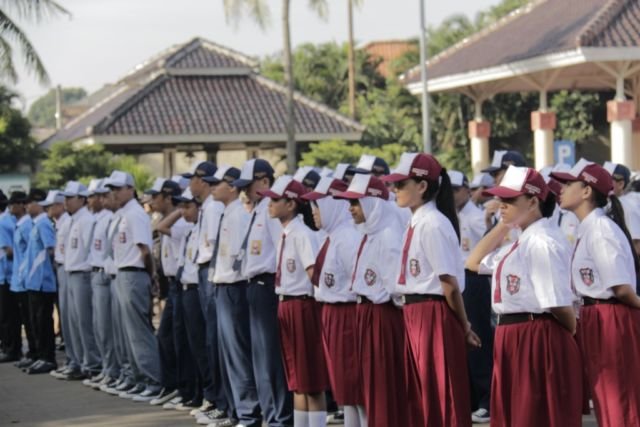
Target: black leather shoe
(42, 368)
(6, 358)
(35, 364)
(25, 361)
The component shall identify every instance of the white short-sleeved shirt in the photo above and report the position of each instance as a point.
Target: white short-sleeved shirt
(534, 275)
(208, 223)
(62, 231)
(631, 214)
(264, 236)
(602, 257)
(188, 250)
(97, 252)
(170, 246)
(472, 227)
(297, 255)
(232, 228)
(434, 251)
(568, 223)
(335, 278)
(376, 272)
(76, 256)
(134, 228)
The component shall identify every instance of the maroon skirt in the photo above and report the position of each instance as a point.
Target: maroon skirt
(609, 338)
(339, 338)
(380, 334)
(437, 353)
(537, 376)
(301, 343)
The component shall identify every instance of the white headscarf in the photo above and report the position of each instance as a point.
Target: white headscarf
(333, 213)
(379, 216)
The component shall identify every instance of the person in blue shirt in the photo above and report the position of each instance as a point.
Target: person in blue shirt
(18, 208)
(40, 282)
(11, 347)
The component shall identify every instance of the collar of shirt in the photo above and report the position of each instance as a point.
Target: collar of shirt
(23, 219)
(533, 229)
(80, 213)
(103, 213)
(293, 224)
(421, 212)
(207, 202)
(589, 219)
(237, 203)
(131, 204)
(469, 208)
(61, 221)
(262, 205)
(40, 217)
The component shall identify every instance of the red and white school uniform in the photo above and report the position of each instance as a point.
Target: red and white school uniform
(298, 312)
(537, 375)
(436, 340)
(380, 327)
(609, 333)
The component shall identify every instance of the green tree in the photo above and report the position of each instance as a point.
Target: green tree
(16, 145)
(66, 161)
(42, 111)
(259, 11)
(330, 153)
(12, 34)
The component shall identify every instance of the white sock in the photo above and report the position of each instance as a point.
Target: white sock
(351, 417)
(317, 418)
(300, 418)
(362, 415)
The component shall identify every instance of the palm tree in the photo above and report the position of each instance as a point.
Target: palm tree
(259, 12)
(10, 34)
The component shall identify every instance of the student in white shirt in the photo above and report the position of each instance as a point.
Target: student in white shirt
(132, 258)
(604, 268)
(299, 313)
(257, 260)
(332, 279)
(380, 328)
(78, 268)
(537, 375)
(431, 281)
(101, 286)
(621, 178)
(230, 293)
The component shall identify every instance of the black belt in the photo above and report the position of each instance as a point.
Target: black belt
(240, 283)
(97, 269)
(341, 303)
(189, 286)
(263, 277)
(77, 272)
(203, 265)
(132, 269)
(416, 298)
(361, 299)
(597, 301)
(510, 319)
(283, 298)
(170, 277)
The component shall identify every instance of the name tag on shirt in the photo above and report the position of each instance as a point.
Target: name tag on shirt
(122, 237)
(97, 244)
(74, 243)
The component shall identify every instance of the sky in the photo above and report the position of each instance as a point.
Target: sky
(104, 39)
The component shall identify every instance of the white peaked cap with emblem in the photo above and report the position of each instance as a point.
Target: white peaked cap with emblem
(120, 179)
(96, 186)
(74, 188)
(53, 197)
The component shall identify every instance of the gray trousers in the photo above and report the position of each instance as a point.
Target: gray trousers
(73, 358)
(119, 343)
(102, 322)
(134, 297)
(81, 322)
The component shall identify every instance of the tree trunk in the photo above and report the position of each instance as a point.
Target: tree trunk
(352, 64)
(288, 77)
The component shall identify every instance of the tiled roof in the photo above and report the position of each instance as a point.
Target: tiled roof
(226, 105)
(542, 27)
(199, 88)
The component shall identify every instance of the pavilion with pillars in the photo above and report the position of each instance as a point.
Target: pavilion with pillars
(545, 46)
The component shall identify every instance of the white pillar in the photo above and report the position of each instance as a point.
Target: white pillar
(635, 129)
(620, 114)
(543, 123)
(479, 133)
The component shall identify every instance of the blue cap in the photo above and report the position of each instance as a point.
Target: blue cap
(307, 176)
(503, 159)
(224, 173)
(369, 164)
(252, 170)
(202, 169)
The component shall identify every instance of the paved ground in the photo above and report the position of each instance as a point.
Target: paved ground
(43, 401)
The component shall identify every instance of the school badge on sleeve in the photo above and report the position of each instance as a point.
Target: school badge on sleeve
(370, 277)
(587, 276)
(513, 284)
(291, 265)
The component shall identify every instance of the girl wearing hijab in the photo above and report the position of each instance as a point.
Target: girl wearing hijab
(431, 282)
(380, 332)
(537, 375)
(332, 279)
(603, 271)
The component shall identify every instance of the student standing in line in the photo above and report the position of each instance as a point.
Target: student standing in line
(18, 206)
(332, 279)
(537, 375)
(431, 282)
(11, 345)
(257, 261)
(604, 267)
(40, 283)
(78, 268)
(380, 334)
(298, 312)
